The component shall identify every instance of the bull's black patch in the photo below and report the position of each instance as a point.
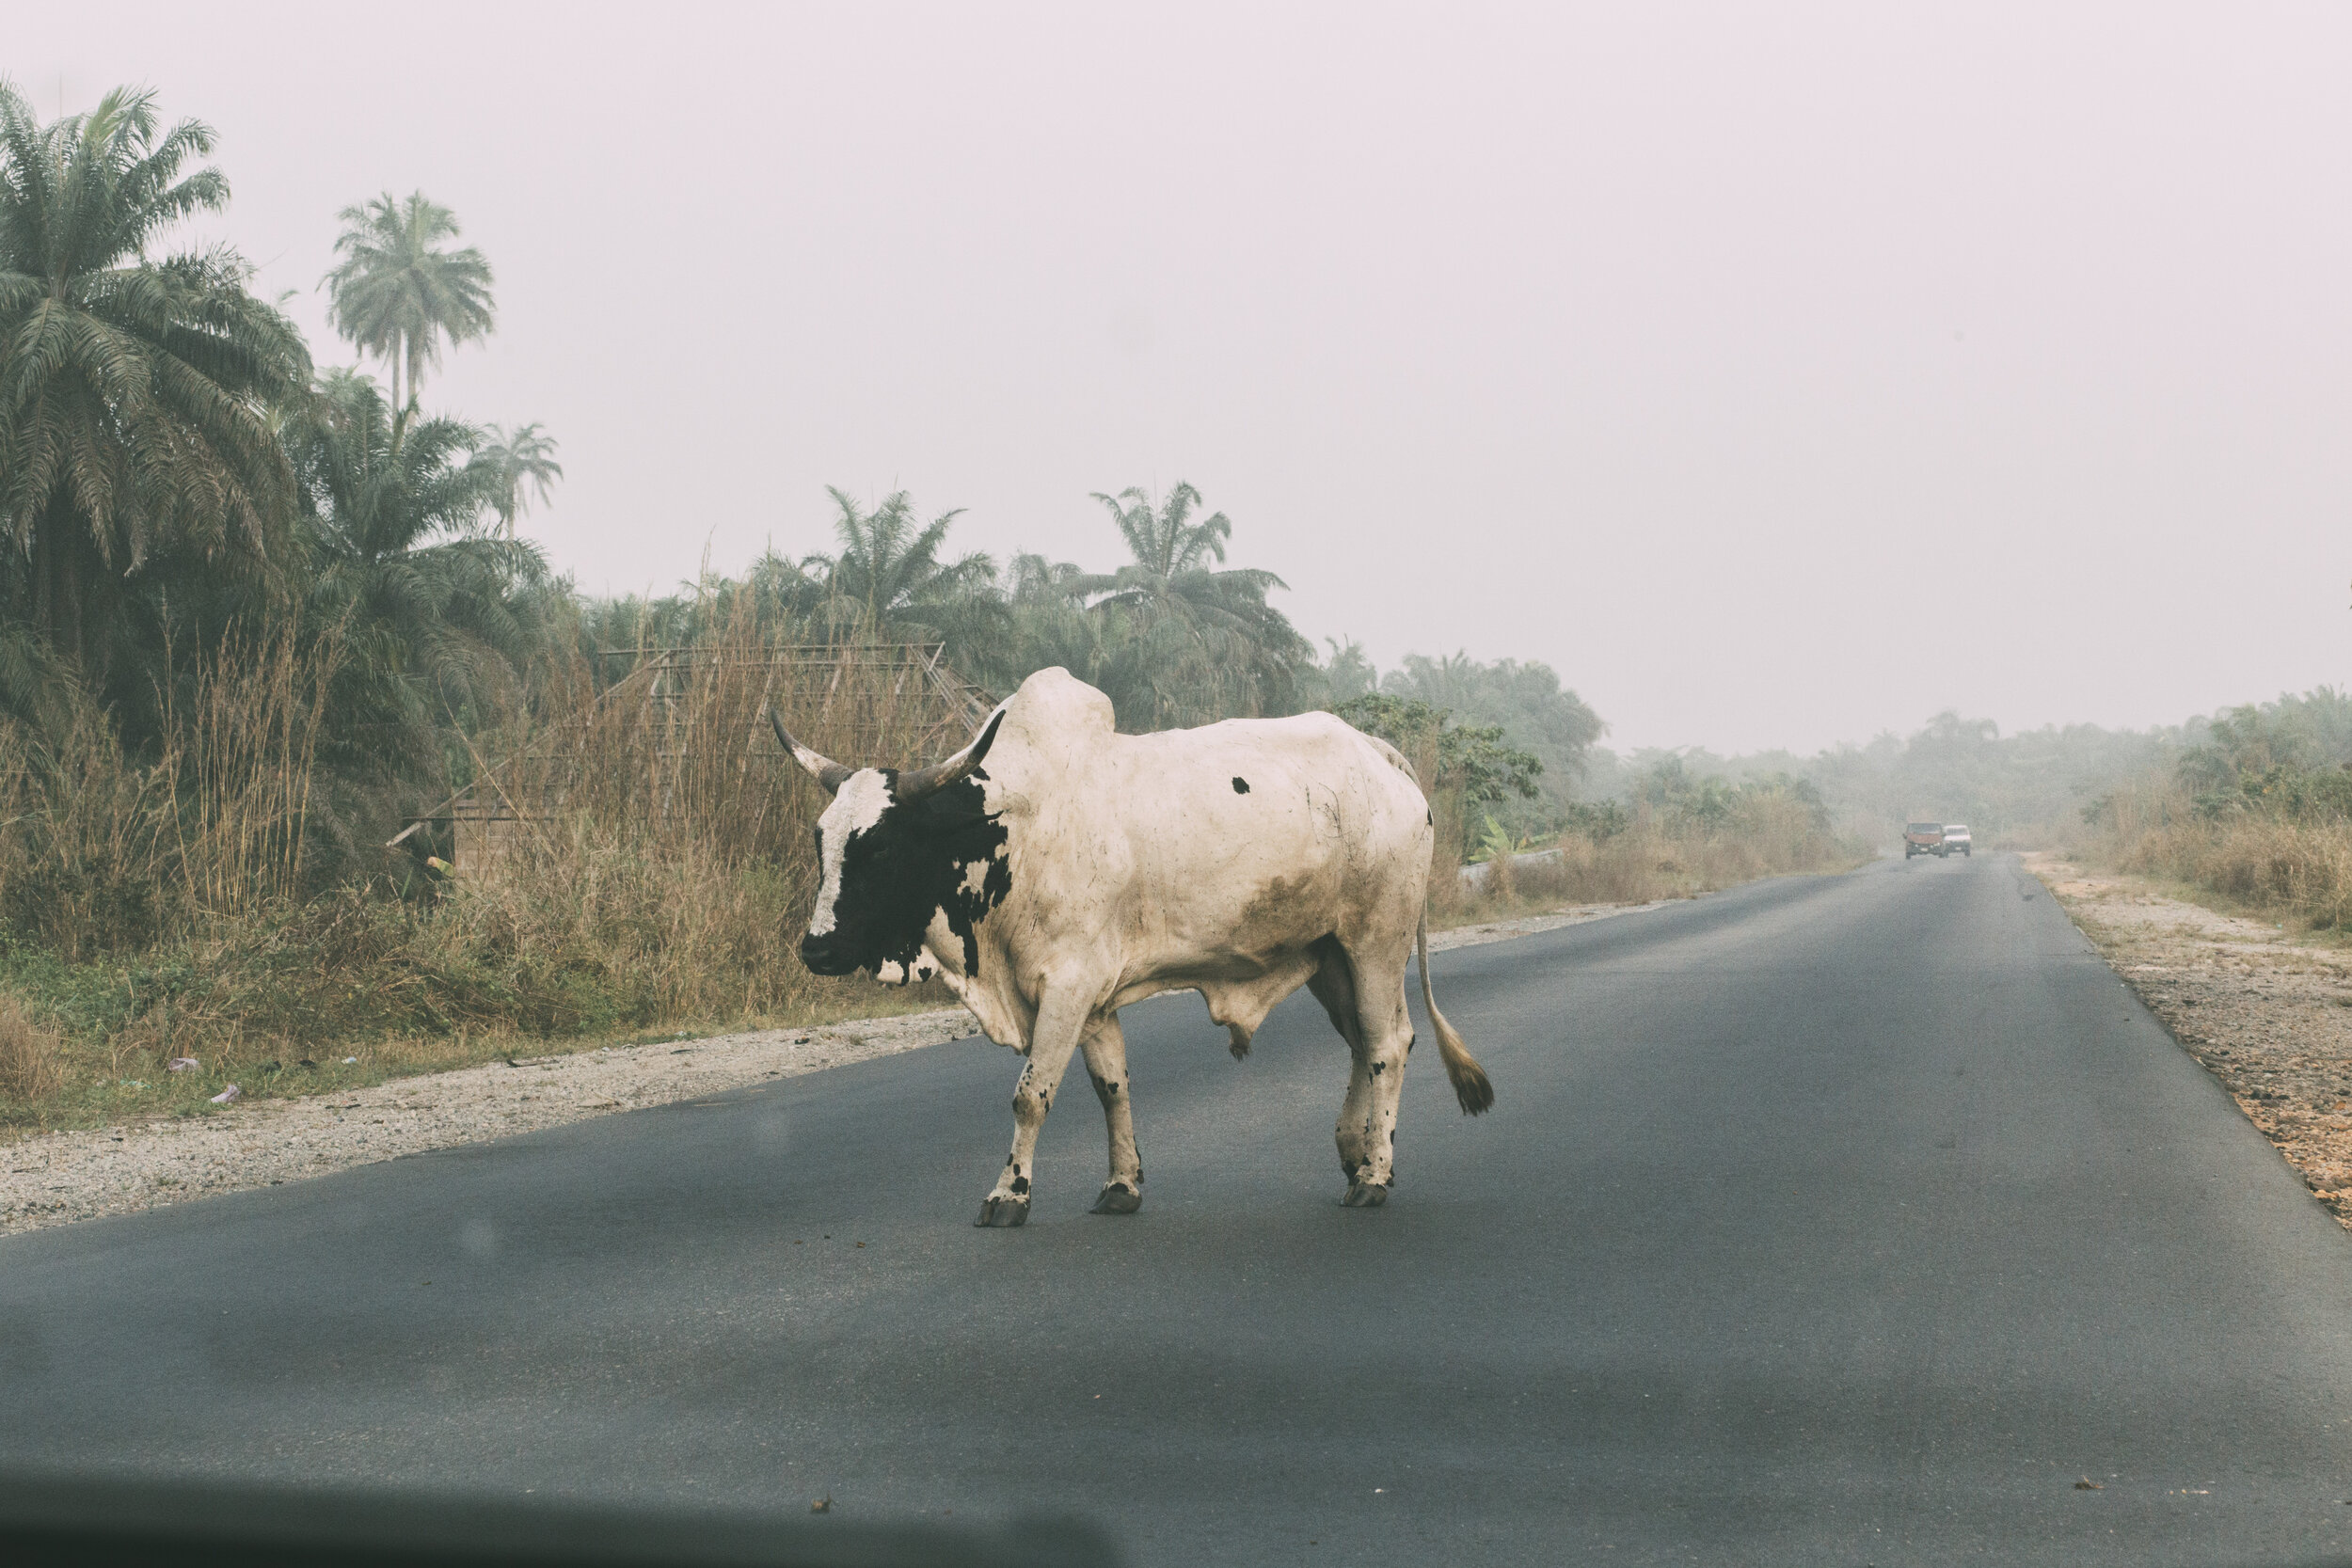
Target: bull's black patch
(1241, 786)
(1020, 1185)
(910, 864)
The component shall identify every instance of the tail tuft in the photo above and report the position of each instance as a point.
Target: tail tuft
(1471, 1084)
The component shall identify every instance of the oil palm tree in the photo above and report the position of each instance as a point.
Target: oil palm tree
(888, 580)
(1171, 552)
(433, 605)
(398, 293)
(1205, 643)
(523, 469)
(136, 394)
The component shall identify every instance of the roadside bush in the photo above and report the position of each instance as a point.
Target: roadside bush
(2260, 815)
(653, 872)
(2295, 864)
(1633, 857)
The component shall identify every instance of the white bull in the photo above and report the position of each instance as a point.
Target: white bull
(1054, 870)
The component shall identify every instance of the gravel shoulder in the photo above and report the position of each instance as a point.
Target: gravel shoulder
(2266, 1012)
(59, 1178)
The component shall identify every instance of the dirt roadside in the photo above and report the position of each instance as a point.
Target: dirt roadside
(59, 1178)
(2268, 1013)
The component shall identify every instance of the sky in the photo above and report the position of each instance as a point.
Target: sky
(1779, 375)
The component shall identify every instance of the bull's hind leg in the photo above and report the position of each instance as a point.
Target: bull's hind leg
(1334, 986)
(1382, 1039)
(1106, 1064)
(1052, 1039)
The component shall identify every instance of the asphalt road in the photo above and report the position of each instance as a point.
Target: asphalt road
(1829, 1220)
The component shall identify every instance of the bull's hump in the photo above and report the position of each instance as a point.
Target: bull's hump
(1053, 708)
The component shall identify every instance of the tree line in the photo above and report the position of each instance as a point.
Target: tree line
(181, 475)
(2290, 758)
(177, 472)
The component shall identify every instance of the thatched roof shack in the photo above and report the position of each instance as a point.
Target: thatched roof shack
(685, 733)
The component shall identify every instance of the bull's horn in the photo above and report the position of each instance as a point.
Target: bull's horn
(917, 782)
(827, 773)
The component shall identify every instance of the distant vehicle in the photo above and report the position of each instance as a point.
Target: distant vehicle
(1956, 837)
(1923, 838)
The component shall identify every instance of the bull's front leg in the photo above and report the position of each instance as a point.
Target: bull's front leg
(1106, 1064)
(1052, 1039)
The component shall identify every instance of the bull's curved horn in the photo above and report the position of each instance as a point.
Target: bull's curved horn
(827, 773)
(917, 782)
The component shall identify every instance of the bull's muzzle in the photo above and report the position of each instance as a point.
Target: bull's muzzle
(824, 956)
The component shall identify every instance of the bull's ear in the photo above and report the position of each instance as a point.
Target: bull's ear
(929, 781)
(827, 773)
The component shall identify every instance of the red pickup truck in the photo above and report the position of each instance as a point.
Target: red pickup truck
(1924, 838)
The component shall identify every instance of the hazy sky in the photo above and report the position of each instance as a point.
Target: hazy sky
(1778, 376)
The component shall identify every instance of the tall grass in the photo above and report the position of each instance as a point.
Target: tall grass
(101, 852)
(647, 870)
(82, 836)
(238, 768)
(2269, 861)
(659, 851)
(1669, 854)
(32, 1058)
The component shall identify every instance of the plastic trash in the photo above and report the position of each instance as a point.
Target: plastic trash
(229, 1096)
(350, 1060)
(181, 1064)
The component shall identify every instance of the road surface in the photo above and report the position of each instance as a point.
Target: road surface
(1829, 1220)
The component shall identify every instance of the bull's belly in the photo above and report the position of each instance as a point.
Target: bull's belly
(1240, 987)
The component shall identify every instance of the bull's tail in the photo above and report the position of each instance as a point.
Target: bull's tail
(1471, 1084)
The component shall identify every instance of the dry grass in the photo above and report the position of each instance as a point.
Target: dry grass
(654, 883)
(100, 852)
(2266, 865)
(32, 1057)
(1660, 857)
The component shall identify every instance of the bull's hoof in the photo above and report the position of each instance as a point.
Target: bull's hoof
(1365, 1195)
(1118, 1199)
(1002, 1213)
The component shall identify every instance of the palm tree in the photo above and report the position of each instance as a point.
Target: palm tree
(1350, 672)
(431, 605)
(523, 467)
(397, 293)
(888, 580)
(1205, 643)
(1171, 552)
(136, 395)
(1046, 622)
